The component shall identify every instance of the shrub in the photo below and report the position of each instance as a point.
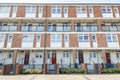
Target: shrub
(111, 70)
(32, 71)
(71, 71)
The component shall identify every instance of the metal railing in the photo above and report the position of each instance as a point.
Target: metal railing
(33, 66)
(70, 66)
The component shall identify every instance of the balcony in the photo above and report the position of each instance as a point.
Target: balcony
(109, 28)
(92, 28)
(40, 28)
(8, 28)
(59, 28)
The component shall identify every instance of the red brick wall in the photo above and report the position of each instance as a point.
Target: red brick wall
(21, 10)
(101, 40)
(97, 11)
(71, 11)
(73, 40)
(16, 41)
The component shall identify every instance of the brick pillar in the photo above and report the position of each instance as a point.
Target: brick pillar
(74, 56)
(91, 43)
(37, 11)
(88, 14)
(99, 68)
(14, 57)
(6, 41)
(19, 25)
(63, 40)
(11, 10)
(72, 25)
(99, 26)
(104, 56)
(113, 11)
(19, 68)
(62, 12)
(34, 41)
(58, 68)
(44, 68)
(84, 67)
(118, 65)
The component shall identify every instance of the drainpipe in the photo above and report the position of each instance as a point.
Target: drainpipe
(45, 37)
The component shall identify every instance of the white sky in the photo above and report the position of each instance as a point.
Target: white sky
(60, 1)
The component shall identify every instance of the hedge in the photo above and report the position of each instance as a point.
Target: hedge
(111, 70)
(32, 71)
(71, 71)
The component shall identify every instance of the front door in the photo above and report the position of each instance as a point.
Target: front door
(53, 58)
(80, 55)
(108, 60)
(26, 60)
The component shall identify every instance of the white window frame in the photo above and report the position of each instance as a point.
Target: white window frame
(66, 37)
(116, 9)
(66, 54)
(30, 9)
(40, 10)
(4, 9)
(111, 36)
(56, 9)
(79, 10)
(56, 38)
(10, 37)
(91, 10)
(38, 40)
(83, 38)
(2, 37)
(92, 54)
(94, 36)
(14, 9)
(65, 10)
(106, 8)
(29, 38)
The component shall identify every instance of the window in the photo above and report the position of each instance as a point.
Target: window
(10, 38)
(10, 55)
(40, 10)
(56, 10)
(56, 38)
(4, 9)
(81, 10)
(66, 38)
(111, 37)
(66, 55)
(2, 38)
(65, 10)
(38, 55)
(113, 27)
(92, 54)
(30, 9)
(93, 37)
(83, 38)
(116, 9)
(28, 38)
(24, 28)
(66, 27)
(78, 28)
(38, 38)
(118, 54)
(90, 10)
(13, 28)
(14, 9)
(106, 9)
(40, 27)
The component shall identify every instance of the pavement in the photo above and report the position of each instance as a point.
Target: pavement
(61, 77)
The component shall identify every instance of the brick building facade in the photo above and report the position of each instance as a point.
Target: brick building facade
(64, 34)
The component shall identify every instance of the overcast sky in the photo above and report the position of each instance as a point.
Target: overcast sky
(60, 1)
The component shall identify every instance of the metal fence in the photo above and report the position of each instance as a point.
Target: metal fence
(70, 66)
(108, 65)
(33, 66)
